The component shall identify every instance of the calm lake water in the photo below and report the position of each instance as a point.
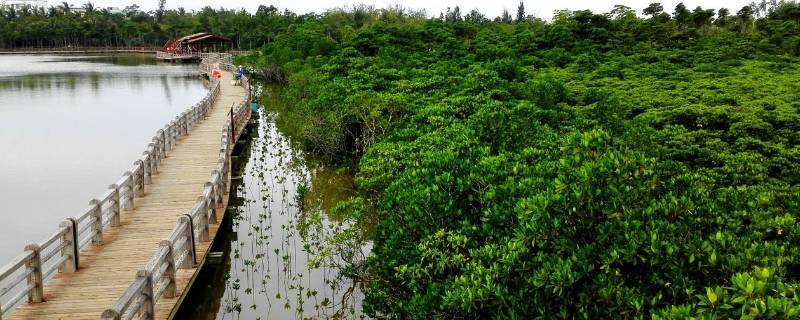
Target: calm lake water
(72, 125)
(278, 257)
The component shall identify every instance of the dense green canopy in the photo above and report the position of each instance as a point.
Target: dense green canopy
(597, 166)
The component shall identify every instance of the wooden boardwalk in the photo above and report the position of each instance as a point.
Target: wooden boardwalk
(106, 272)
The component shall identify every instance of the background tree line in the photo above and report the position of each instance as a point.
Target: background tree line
(61, 25)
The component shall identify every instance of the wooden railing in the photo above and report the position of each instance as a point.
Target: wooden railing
(78, 49)
(28, 273)
(199, 55)
(157, 279)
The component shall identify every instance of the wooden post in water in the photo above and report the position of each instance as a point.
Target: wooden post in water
(35, 279)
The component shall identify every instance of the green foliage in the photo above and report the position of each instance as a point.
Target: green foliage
(595, 167)
(587, 168)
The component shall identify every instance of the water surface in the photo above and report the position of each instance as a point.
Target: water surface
(72, 125)
(279, 258)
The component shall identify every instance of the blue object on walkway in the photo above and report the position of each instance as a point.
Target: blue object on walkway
(254, 106)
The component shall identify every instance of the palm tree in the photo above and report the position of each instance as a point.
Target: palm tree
(89, 7)
(65, 8)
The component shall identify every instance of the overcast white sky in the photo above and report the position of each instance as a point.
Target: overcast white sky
(540, 8)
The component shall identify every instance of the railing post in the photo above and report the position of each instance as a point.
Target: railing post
(115, 207)
(111, 314)
(169, 292)
(147, 175)
(204, 227)
(222, 163)
(214, 201)
(70, 248)
(148, 304)
(155, 160)
(156, 149)
(97, 224)
(35, 279)
(129, 196)
(178, 126)
(163, 136)
(138, 185)
(191, 260)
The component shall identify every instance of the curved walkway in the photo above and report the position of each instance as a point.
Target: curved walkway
(106, 271)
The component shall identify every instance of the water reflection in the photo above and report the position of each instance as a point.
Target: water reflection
(70, 126)
(281, 262)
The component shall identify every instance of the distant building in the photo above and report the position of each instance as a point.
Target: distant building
(19, 4)
(113, 10)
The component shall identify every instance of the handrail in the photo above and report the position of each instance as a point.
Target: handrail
(78, 49)
(28, 273)
(157, 279)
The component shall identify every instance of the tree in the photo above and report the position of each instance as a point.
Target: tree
(701, 17)
(506, 17)
(476, 17)
(682, 16)
(65, 7)
(160, 10)
(88, 8)
(621, 11)
(653, 10)
(453, 15)
(745, 18)
(521, 12)
(723, 15)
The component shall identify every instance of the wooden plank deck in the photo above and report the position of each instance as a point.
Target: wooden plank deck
(106, 271)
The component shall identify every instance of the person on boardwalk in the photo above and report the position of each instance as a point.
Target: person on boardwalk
(216, 73)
